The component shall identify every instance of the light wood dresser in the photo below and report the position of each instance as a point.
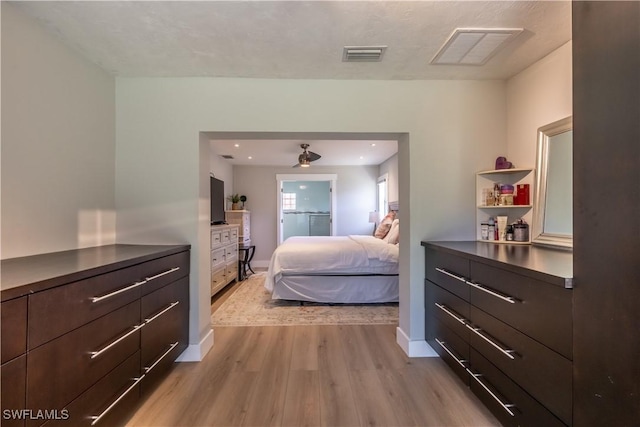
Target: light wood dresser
(224, 256)
(242, 218)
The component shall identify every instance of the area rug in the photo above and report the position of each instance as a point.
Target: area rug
(251, 305)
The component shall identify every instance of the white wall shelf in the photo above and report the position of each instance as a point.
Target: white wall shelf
(487, 179)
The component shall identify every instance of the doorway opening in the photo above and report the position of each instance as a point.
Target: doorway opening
(306, 205)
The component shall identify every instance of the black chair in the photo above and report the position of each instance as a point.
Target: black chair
(244, 263)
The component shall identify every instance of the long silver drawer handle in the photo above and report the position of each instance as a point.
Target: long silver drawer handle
(443, 271)
(119, 291)
(149, 368)
(150, 319)
(95, 354)
(461, 362)
(508, 299)
(96, 418)
(163, 273)
(505, 406)
(450, 313)
(504, 351)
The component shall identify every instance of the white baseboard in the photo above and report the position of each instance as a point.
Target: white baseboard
(260, 263)
(416, 348)
(196, 352)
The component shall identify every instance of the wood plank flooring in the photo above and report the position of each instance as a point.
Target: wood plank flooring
(347, 375)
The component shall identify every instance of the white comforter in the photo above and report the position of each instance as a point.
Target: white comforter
(318, 255)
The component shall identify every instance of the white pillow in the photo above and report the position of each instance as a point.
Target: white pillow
(393, 236)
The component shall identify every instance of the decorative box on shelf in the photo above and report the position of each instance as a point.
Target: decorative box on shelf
(489, 206)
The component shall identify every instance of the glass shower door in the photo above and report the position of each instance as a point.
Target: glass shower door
(306, 208)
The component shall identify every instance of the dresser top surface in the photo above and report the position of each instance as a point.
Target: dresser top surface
(24, 275)
(552, 265)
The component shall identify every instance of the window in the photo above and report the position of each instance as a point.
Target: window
(383, 204)
(289, 201)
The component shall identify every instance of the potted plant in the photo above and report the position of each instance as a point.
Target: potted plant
(234, 199)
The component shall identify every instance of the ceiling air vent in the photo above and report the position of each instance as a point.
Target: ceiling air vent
(473, 46)
(363, 53)
(227, 156)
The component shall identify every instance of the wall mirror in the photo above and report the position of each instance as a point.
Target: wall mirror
(553, 204)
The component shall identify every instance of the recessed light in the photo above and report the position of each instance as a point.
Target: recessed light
(249, 157)
(361, 157)
(236, 145)
(373, 144)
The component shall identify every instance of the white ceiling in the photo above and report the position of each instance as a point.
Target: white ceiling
(285, 152)
(297, 40)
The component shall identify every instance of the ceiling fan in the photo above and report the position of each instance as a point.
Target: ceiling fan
(305, 159)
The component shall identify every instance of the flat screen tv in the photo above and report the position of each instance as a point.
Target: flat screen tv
(217, 201)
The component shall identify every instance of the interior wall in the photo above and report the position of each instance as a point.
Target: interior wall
(539, 95)
(57, 124)
(223, 170)
(355, 191)
(451, 129)
(390, 167)
(58, 144)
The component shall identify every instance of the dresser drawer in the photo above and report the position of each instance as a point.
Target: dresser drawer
(59, 310)
(448, 271)
(449, 309)
(163, 271)
(495, 389)
(217, 280)
(163, 312)
(13, 328)
(62, 369)
(233, 235)
(451, 348)
(231, 271)
(545, 374)
(95, 402)
(217, 257)
(13, 376)
(231, 252)
(540, 310)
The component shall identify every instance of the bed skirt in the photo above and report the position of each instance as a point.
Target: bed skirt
(347, 289)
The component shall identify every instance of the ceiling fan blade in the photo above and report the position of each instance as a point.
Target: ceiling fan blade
(297, 165)
(313, 156)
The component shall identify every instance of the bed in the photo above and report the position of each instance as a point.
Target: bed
(335, 269)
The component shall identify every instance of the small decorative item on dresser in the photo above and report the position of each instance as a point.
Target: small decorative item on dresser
(243, 199)
(484, 231)
(234, 199)
(521, 231)
(509, 232)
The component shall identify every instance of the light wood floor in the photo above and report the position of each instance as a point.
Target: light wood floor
(348, 375)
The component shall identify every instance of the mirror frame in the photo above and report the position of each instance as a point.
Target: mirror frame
(542, 164)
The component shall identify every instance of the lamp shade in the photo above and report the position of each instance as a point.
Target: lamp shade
(374, 217)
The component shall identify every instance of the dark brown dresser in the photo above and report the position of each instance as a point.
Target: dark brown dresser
(86, 332)
(501, 317)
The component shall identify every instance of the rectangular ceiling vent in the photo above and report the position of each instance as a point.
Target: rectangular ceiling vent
(363, 53)
(474, 46)
(227, 156)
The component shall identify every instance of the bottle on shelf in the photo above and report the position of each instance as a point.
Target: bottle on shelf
(491, 229)
(496, 194)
